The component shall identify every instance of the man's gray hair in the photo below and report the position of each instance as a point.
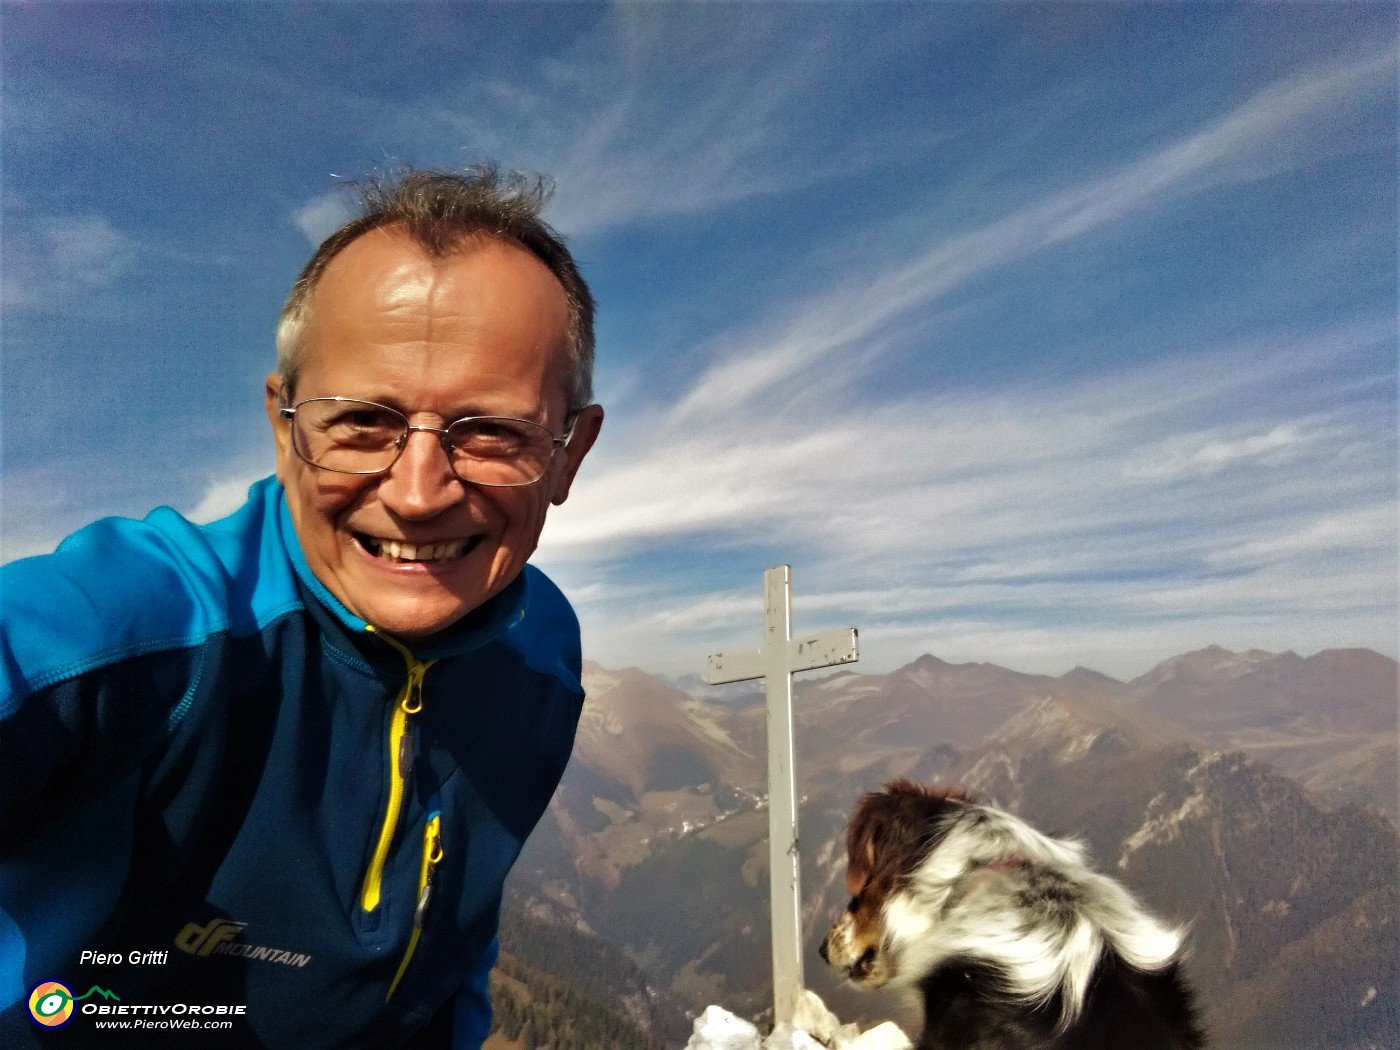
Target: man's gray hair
(444, 212)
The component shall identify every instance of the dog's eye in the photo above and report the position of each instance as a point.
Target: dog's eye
(855, 903)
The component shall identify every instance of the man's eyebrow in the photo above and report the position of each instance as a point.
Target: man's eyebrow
(374, 399)
(465, 410)
(470, 412)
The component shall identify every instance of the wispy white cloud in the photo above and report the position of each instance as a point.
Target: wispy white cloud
(1098, 578)
(321, 216)
(1018, 462)
(63, 259)
(1211, 484)
(222, 497)
(1194, 454)
(28, 530)
(655, 117)
(1361, 531)
(710, 612)
(644, 125)
(1237, 147)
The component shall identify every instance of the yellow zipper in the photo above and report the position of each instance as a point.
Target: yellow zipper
(432, 853)
(408, 703)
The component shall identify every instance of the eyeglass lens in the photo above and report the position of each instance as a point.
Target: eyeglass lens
(359, 437)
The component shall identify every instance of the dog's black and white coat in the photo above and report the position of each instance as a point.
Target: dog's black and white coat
(1008, 937)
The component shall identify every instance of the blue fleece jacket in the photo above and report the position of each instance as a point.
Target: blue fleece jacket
(225, 798)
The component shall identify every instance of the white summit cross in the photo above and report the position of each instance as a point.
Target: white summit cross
(775, 661)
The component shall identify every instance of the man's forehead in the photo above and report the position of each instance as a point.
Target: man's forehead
(391, 253)
(388, 311)
(490, 281)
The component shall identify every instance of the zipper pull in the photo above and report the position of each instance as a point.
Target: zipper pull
(424, 899)
(408, 750)
(411, 703)
(413, 691)
(432, 853)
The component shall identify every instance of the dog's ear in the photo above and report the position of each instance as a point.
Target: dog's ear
(857, 878)
(892, 830)
(913, 790)
(860, 844)
(909, 788)
(886, 831)
(866, 827)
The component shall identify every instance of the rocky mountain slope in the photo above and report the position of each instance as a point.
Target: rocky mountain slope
(1329, 720)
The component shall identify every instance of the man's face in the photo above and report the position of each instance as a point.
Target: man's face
(481, 332)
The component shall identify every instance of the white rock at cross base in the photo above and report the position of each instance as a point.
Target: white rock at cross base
(786, 1037)
(813, 1017)
(844, 1037)
(884, 1036)
(718, 1029)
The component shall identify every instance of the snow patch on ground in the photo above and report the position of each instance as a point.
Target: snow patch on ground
(816, 1028)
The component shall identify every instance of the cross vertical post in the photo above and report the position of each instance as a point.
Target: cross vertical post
(775, 662)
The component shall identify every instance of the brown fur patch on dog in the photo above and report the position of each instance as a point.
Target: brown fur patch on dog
(890, 833)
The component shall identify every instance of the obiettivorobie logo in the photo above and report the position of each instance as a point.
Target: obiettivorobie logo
(51, 1003)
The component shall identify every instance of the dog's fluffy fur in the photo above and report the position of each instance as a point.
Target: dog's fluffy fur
(1010, 939)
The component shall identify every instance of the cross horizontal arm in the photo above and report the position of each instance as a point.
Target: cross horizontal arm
(824, 650)
(803, 654)
(740, 665)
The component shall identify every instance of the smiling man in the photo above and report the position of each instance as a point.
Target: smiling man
(277, 768)
(477, 339)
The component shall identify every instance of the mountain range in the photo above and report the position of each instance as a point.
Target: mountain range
(1250, 795)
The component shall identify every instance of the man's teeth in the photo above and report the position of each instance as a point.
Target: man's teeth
(401, 551)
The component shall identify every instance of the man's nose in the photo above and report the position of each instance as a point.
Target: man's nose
(421, 483)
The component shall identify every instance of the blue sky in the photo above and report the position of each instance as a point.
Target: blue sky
(1042, 335)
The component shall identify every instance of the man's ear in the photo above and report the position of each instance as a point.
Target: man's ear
(586, 426)
(281, 432)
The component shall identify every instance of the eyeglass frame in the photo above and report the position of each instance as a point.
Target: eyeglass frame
(288, 412)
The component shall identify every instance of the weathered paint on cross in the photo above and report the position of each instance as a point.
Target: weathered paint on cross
(776, 661)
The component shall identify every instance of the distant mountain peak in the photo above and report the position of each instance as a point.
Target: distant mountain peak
(926, 662)
(1213, 661)
(1088, 675)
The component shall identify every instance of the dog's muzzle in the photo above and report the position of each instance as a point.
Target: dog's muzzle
(842, 950)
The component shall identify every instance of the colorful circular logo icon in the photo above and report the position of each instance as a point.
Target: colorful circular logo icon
(51, 1004)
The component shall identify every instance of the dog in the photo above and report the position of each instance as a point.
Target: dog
(1007, 936)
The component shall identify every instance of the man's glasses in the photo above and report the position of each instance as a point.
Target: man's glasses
(360, 437)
